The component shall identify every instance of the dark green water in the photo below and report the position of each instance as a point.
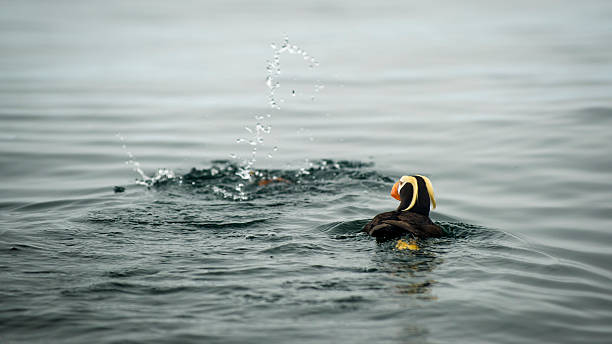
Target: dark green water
(506, 107)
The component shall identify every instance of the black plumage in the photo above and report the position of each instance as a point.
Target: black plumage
(414, 221)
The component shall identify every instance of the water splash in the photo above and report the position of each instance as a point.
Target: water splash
(161, 174)
(262, 125)
(257, 132)
(273, 68)
(329, 177)
(131, 159)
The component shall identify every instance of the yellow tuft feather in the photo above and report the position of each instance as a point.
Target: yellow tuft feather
(415, 189)
(402, 245)
(430, 190)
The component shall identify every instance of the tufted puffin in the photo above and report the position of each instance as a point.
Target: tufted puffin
(411, 216)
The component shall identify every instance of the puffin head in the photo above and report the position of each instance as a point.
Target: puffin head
(414, 194)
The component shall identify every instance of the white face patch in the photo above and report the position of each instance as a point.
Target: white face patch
(402, 182)
(401, 185)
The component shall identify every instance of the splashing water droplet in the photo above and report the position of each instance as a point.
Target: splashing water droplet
(135, 164)
(262, 126)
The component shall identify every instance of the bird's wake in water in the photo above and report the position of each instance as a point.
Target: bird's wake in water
(322, 177)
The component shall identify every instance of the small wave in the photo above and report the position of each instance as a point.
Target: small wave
(130, 272)
(161, 215)
(461, 230)
(302, 249)
(344, 227)
(113, 287)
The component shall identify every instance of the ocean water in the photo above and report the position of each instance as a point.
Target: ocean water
(506, 106)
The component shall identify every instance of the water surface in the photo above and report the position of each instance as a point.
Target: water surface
(506, 107)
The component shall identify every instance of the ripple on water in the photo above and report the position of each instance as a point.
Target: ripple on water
(273, 256)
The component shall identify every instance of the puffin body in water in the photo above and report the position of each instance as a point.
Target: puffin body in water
(411, 217)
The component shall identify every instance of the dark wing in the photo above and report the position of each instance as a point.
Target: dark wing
(382, 226)
(378, 220)
(394, 224)
(424, 227)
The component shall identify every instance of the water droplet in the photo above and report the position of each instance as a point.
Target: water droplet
(275, 148)
(293, 93)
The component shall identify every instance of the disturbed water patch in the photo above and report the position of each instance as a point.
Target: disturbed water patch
(222, 181)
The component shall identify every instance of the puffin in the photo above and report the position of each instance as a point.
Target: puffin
(411, 217)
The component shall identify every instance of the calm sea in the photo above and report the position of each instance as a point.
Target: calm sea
(506, 106)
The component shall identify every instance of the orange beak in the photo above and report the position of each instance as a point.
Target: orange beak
(394, 192)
